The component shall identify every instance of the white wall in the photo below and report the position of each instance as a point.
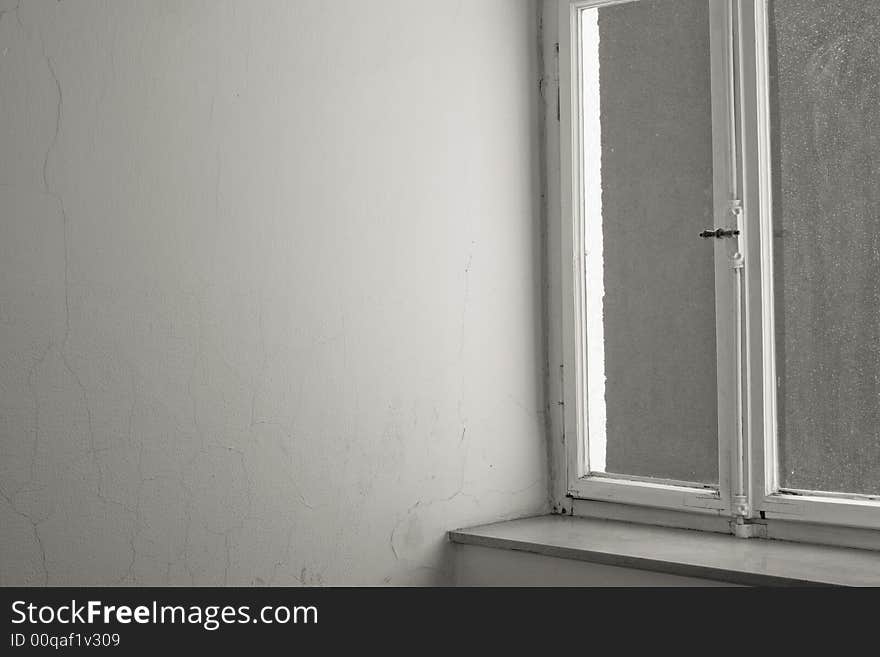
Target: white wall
(269, 288)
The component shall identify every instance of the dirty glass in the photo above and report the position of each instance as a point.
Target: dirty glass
(825, 118)
(648, 187)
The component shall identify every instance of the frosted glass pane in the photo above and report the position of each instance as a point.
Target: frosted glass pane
(825, 101)
(652, 390)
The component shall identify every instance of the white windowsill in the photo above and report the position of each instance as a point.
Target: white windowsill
(725, 558)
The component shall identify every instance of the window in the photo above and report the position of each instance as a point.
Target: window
(720, 203)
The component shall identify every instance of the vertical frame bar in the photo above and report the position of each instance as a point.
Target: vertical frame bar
(724, 161)
(758, 245)
(570, 148)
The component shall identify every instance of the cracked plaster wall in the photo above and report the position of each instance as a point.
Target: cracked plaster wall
(269, 288)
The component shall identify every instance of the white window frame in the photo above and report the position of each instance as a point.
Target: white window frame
(748, 490)
(771, 500)
(583, 484)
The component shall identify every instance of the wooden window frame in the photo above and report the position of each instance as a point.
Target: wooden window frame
(749, 492)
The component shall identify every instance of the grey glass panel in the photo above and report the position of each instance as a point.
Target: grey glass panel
(825, 103)
(658, 309)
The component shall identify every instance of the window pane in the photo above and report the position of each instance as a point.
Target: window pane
(825, 102)
(647, 127)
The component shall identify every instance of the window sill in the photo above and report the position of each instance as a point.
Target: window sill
(724, 558)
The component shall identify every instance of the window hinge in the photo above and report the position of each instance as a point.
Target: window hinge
(737, 260)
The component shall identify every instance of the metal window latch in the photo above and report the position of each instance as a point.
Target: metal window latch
(719, 233)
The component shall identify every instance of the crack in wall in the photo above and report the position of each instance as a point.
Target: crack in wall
(13, 10)
(34, 525)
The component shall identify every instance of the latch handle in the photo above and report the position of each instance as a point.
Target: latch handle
(719, 233)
